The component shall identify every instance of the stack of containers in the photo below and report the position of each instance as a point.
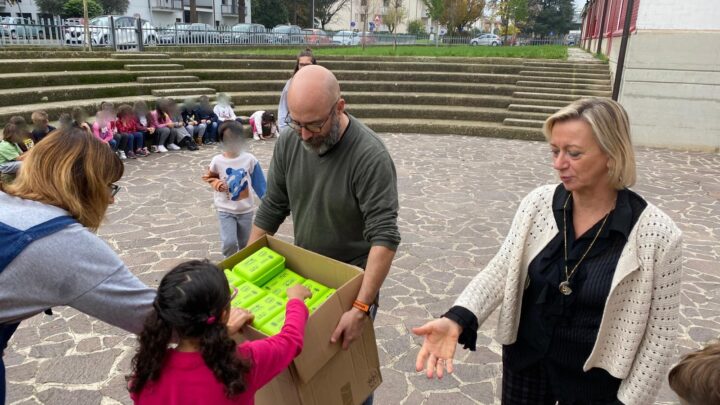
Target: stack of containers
(262, 282)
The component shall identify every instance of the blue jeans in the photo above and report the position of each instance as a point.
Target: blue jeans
(234, 231)
(113, 144)
(6, 331)
(211, 132)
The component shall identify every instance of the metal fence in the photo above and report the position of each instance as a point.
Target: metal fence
(129, 33)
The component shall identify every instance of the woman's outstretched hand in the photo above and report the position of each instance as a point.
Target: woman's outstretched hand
(438, 349)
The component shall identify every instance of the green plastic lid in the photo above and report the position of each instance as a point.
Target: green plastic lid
(233, 279)
(248, 294)
(317, 290)
(286, 279)
(260, 267)
(321, 300)
(274, 326)
(265, 309)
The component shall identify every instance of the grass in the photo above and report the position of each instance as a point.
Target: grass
(531, 52)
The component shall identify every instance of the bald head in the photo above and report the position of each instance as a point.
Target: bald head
(312, 92)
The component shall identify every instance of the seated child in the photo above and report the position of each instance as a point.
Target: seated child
(25, 141)
(40, 125)
(144, 120)
(696, 378)
(126, 124)
(208, 366)
(65, 122)
(224, 110)
(164, 126)
(105, 130)
(80, 117)
(10, 151)
(205, 115)
(232, 174)
(193, 126)
(183, 131)
(264, 125)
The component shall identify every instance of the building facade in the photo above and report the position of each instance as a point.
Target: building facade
(159, 12)
(377, 9)
(671, 78)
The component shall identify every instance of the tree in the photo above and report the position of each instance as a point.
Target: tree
(114, 6)
(460, 14)
(416, 27)
(193, 11)
(325, 10)
(269, 12)
(512, 12)
(74, 9)
(394, 16)
(550, 17)
(435, 10)
(54, 7)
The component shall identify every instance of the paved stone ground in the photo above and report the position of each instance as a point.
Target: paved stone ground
(458, 195)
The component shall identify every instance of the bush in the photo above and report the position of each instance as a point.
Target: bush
(416, 27)
(74, 9)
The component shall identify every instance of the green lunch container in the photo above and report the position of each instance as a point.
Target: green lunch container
(286, 279)
(317, 290)
(260, 267)
(233, 279)
(274, 326)
(248, 294)
(321, 300)
(266, 309)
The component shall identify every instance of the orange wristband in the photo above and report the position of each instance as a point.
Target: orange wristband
(361, 306)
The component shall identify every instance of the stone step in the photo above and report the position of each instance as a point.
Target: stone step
(566, 98)
(440, 77)
(569, 70)
(48, 79)
(540, 102)
(380, 86)
(156, 73)
(199, 91)
(561, 85)
(516, 122)
(572, 92)
(196, 54)
(139, 55)
(456, 127)
(166, 79)
(159, 66)
(566, 65)
(565, 75)
(564, 79)
(533, 108)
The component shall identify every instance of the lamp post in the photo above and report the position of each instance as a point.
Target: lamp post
(312, 23)
(85, 25)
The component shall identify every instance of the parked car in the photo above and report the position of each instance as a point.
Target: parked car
(100, 35)
(186, 33)
(288, 34)
(346, 38)
(18, 27)
(316, 36)
(247, 34)
(487, 40)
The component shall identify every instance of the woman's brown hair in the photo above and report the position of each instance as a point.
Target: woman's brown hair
(696, 379)
(71, 170)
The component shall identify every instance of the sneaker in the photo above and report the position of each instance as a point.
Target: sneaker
(131, 155)
(146, 151)
(121, 155)
(256, 137)
(161, 149)
(154, 149)
(140, 153)
(172, 146)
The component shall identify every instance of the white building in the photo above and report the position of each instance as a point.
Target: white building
(377, 9)
(158, 12)
(671, 78)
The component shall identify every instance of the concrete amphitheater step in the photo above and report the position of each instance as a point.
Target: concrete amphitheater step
(140, 55)
(356, 58)
(254, 74)
(22, 80)
(561, 85)
(533, 108)
(541, 101)
(566, 98)
(166, 79)
(199, 91)
(567, 71)
(562, 79)
(455, 127)
(409, 87)
(600, 66)
(577, 93)
(565, 75)
(524, 123)
(59, 65)
(158, 66)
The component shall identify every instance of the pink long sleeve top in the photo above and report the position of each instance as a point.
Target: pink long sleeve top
(105, 133)
(186, 379)
(160, 122)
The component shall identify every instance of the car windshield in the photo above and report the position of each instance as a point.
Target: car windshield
(282, 30)
(241, 28)
(99, 21)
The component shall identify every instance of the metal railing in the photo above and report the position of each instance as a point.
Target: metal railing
(229, 9)
(167, 4)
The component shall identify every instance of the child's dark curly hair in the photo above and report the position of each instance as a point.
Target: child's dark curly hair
(189, 296)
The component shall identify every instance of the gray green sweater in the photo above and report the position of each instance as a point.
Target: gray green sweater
(342, 203)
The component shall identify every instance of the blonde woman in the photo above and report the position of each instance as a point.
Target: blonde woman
(49, 254)
(587, 280)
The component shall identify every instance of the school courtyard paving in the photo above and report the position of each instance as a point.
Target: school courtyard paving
(458, 196)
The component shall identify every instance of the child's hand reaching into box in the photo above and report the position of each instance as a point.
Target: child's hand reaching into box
(298, 291)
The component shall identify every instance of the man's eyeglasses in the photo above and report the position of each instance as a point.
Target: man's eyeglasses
(114, 188)
(314, 127)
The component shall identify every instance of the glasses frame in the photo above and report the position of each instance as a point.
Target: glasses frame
(114, 189)
(297, 127)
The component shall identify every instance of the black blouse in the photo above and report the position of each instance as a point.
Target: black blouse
(559, 330)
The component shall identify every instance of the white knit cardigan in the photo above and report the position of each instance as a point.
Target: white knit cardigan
(635, 341)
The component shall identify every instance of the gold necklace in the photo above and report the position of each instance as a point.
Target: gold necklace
(565, 285)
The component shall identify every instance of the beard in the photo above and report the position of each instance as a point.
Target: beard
(322, 144)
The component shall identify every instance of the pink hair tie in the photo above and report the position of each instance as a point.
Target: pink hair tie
(211, 320)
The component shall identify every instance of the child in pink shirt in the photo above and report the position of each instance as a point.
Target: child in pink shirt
(207, 366)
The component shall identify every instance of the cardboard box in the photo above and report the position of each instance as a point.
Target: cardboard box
(323, 374)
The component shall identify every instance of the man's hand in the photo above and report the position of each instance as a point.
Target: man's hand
(350, 327)
(238, 318)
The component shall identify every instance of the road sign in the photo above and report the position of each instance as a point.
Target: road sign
(352, 24)
(443, 30)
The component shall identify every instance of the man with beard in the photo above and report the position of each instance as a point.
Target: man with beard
(338, 180)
